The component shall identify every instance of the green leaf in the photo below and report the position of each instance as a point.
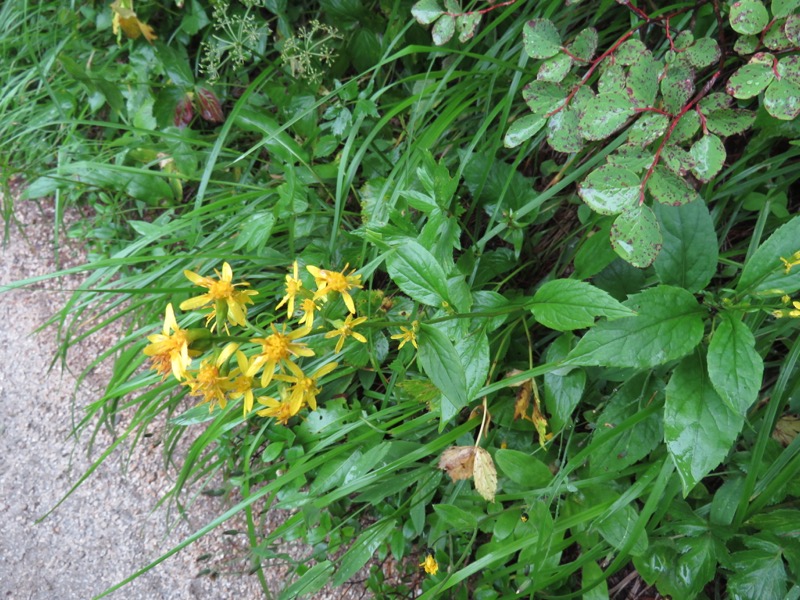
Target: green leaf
(415, 271)
(631, 51)
(443, 30)
(610, 190)
(642, 82)
(540, 38)
(543, 96)
(677, 160)
(792, 29)
(750, 80)
(555, 68)
(667, 326)
(734, 366)
(605, 114)
(688, 258)
(757, 574)
(523, 129)
(474, 353)
(635, 236)
(176, 66)
(746, 44)
(441, 363)
(648, 128)
(730, 121)
(523, 468)
(783, 8)
(764, 273)
(703, 53)
(686, 127)
(669, 188)
(467, 26)
(748, 16)
(426, 11)
(362, 550)
(612, 79)
(677, 88)
(255, 231)
(562, 391)
(714, 101)
(562, 131)
(699, 428)
(631, 158)
(584, 45)
(709, 157)
(457, 518)
(595, 252)
(567, 304)
(782, 100)
(617, 527)
(311, 582)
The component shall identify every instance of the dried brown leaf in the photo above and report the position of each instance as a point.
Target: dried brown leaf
(458, 461)
(485, 474)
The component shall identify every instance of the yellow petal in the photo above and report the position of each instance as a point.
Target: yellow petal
(194, 277)
(227, 272)
(196, 302)
(348, 301)
(325, 369)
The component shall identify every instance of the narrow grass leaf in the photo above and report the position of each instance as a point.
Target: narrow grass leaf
(362, 550)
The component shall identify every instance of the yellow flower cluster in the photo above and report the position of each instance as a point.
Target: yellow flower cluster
(216, 381)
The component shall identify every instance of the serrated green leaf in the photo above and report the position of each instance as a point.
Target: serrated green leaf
(562, 391)
(642, 82)
(457, 518)
(554, 69)
(688, 257)
(562, 131)
(734, 366)
(584, 45)
(648, 128)
(699, 428)
(523, 469)
(677, 88)
(730, 121)
(750, 80)
(605, 114)
(441, 363)
(709, 157)
(635, 236)
(748, 16)
(782, 100)
(669, 188)
(415, 271)
(540, 38)
(473, 350)
(426, 11)
(609, 190)
(783, 8)
(757, 574)
(667, 326)
(362, 550)
(763, 273)
(567, 304)
(630, 51)
(618, 526)
(467, 25)
(703, 53)
(443, 30)
(543, 96)
(523, 129)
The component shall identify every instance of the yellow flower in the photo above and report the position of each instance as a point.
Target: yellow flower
(243, 380)
(282, 409)
(278, 348)
(304, 389)
(293, 287)
(335, 281)
(407, 335)
(430, 565)
(125, 20)
(792, 261)
(309, 307)
(345, 330)
(796, 312)
(209, 382)
(222, 294)
(170, 351)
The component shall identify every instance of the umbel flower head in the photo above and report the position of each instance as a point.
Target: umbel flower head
(209, 382)
(226, 301)
(336, 281)
(170, 351)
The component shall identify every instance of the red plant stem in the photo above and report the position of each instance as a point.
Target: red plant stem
(572, 56)
(636, 10)
(655, 110)
(702, 119)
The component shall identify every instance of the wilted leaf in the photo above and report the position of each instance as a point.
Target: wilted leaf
(485, 475)
(523, 400)
(786, 429)
(458, 461)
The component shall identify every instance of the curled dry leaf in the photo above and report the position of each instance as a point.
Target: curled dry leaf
(485, 474)
(458, 461)
(786, 429)
(523, 400)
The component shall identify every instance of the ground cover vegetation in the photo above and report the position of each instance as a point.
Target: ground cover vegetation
(503, 294)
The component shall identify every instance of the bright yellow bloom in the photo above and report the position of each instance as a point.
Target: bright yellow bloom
(794, 313)
(335, 281)
(209, 382)
(407, 335)
(278, 348)
(345, 330)
(304, 389)
(293, 287)
(309, 307)
(170, 351)
(243, 380)
(430, 565)
(222, 295)
(125, 19)
(792, 261)
(282, 409)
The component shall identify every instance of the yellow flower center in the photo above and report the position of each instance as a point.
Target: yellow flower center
(208, 375)
(220, 290)
(276, 347)
(336, 281)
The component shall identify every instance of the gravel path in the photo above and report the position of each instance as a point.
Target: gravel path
(105, 531)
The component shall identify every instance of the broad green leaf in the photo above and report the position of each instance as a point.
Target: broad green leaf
(584, 45)
(255, 231)
(426, 11)
(415, 271)
(612, 79)
(595, 252)
(748, 16)
(703, 53)
(311, 582)
(610, 190)
(789, 67)
(714, 101)
(782, 100)
(176, 66)
(667, 326)
(734, 366)
(540, 38)
(440, 361)
(669, 188)
(642, 82)
(567, 304)
(467, 26)
(677, 160)
(677, 88)
(688, 257)
(555, 68)
(562, 390)
(590, 574)
(699, 428)
(756, 574)
(730, 121)
(562, 131)
(605, 114)
(631, 158)
(630, 51)
(694, 569)
(457, 518)
(750, 80)
(523, 469)
(543, 96)
(443, 29)
(709, 157)
(686, 128)
(617, 527)
(746, 44)
(776, 38)
(764, 273)
(783, 8)
(362, 550)
(474, 353)
(792, 29)
(523, 129)
(635, 236)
